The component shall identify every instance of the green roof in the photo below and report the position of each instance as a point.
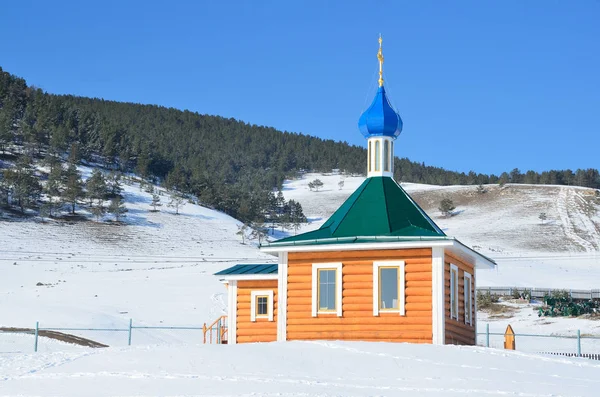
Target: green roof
(248, 270)
(379, 208)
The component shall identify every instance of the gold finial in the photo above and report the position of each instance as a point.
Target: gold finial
(380, 57)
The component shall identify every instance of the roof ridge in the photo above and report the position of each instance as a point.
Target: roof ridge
(364, 186)
(435, 227)
(387, 210)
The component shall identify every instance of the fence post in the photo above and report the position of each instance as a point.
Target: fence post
(219, 332)
(487, 335)
(37, 326)
(578, 343)
(130, 324)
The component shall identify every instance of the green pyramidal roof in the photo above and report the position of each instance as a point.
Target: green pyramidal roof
(379, 207)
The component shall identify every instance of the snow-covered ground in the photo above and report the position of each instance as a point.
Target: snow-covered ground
(503, 223)
(296, 369)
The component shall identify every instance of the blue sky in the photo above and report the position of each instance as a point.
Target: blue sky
(481, 85)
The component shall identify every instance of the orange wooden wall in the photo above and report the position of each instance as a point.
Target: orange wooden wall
(262, 330)
(357, 321)
(457, 332)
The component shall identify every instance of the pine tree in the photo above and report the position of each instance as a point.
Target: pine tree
(242, 230)
(176, 202)
(155, 202)
(113, 183)
(5, 130)
(446, 207)
(24, 186)
(98, 210)
(54, 189)
(96, 187)
(317, 184)
(117, 208)
(73, 187)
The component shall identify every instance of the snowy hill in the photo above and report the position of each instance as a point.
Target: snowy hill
(503, 223)
(297, 369)
(157, 268)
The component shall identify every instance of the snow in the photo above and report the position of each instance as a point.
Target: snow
(298, 369)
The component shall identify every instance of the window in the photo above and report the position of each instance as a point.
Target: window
(261, 305)
(453, 291)
(392, 156)
(327, 289)
(386, 156)
(369, 156)
(388, 287)
(377, 156)
(468, 299)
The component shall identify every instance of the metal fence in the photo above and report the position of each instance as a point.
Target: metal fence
(564, 345)
(538, 293)
(211, 334)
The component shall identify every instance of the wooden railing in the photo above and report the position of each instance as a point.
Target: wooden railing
(217, 331)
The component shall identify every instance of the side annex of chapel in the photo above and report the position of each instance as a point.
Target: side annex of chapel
(379, 269)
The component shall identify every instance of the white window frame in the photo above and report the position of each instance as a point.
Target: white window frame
(401, 286)
(338, 288)
(253, 295)
(454, 292)
(468, 293)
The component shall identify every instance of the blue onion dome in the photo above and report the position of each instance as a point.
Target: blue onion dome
(380, 119)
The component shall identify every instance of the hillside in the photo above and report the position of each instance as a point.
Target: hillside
(229, 164)
(503, 223)
(156, 267)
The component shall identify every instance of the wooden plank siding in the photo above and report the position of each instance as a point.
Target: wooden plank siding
(357, 321)
(456, 331)
(261, 330)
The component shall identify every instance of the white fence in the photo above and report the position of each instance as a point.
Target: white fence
(541, 292)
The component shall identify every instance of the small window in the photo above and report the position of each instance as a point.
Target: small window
(369, 156)
(261, 305)
(454, 292)
(468, 299)
(388, 287)
(327, 278)
(262, 308)
(386, 156)
(327, 289)
(377, 155)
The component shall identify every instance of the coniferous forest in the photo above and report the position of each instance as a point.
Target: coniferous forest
(228, 164)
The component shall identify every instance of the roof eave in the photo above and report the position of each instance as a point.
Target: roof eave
(247, 277)
(347, 244)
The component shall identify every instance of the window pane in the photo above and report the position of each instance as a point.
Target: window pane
(262, 305)
(386, 156)
(468, 300)
(327, 289)
(377, 156)
(369, 156)
(453, 293)
(388, 288)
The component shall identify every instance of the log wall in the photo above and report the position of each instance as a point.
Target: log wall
(261, 330)
(457, 332)
(357, 321)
